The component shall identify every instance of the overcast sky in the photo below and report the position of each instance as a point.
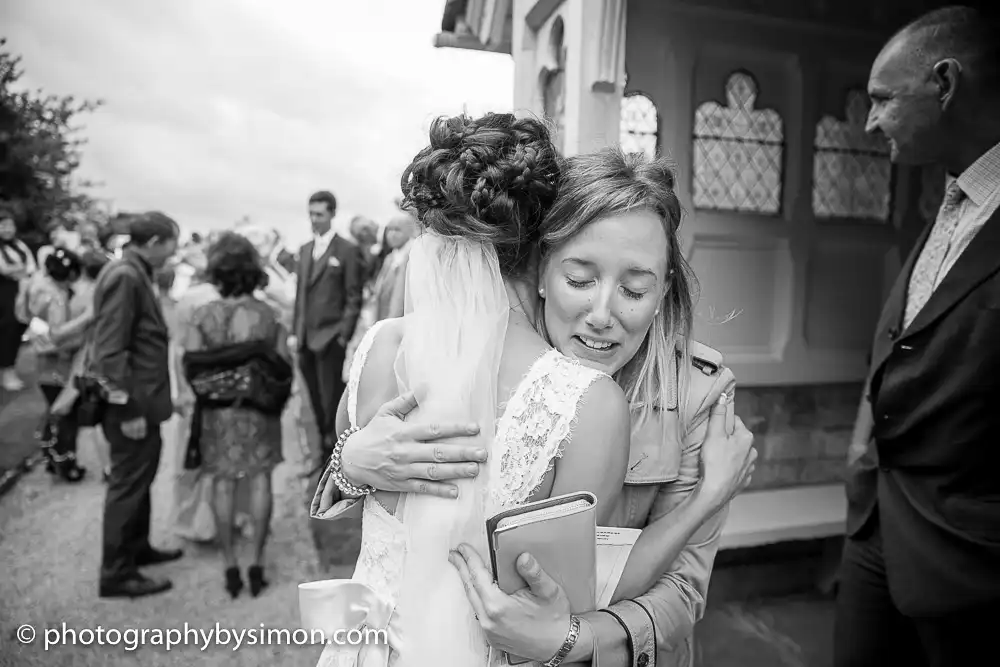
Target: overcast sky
(217, 109)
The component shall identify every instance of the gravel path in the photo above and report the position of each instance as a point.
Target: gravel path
(19, 415)
(49, 557)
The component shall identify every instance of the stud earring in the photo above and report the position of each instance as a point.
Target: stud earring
(541, 292)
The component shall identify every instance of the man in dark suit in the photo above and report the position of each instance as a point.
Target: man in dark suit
(130, 355)
(331, 273)
(920, 579)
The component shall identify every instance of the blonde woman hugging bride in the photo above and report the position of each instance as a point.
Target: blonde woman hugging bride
(535, 399)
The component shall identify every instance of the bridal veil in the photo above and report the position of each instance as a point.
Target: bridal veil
(455, 323)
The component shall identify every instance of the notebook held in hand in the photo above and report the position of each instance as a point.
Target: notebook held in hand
(561, 534)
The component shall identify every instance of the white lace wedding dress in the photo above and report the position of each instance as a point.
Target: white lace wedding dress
(531, 432)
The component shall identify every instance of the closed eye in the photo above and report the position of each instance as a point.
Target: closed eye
(581, 284)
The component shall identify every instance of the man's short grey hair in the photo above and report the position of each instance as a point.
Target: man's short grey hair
(962, 33)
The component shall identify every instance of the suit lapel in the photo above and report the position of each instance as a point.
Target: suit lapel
(147, 283)
(320, 265)
(979, 261)
(306, 262)
(892, 314)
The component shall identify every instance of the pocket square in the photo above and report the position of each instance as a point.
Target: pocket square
(334, 262)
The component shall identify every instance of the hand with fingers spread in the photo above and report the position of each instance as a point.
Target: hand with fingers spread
(391, 455)
(531, 623)
(727, 455)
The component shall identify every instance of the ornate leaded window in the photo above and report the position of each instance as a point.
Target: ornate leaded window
(553, 80)
(639, 125)
(738, 152)
(852, 173)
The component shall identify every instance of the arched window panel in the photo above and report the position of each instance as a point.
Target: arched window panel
(639, 128)
(738, 152)
(852, 172)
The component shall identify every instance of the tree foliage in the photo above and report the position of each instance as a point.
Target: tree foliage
(40, 151)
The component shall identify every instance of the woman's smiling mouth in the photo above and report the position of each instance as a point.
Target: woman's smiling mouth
(595, 345)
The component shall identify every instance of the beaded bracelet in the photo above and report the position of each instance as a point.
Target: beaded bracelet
(571, 636)
(337, 470)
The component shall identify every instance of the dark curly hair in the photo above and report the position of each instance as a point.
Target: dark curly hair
(63, 265)
(234, 265)
(491, 179)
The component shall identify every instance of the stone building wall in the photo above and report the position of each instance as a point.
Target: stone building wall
(801, 432)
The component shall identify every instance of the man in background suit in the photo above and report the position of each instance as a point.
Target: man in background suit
(331, 273)
(130, 353)
(920, 580)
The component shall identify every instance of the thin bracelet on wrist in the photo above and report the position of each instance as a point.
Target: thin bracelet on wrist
(571, 636)
(337, 468)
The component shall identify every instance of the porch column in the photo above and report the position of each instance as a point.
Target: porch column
(569, 65)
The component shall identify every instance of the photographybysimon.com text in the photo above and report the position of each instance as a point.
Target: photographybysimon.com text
(130, 639)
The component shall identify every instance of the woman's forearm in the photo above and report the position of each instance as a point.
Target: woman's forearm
(73, 328)
(601, 631)
(660, 543)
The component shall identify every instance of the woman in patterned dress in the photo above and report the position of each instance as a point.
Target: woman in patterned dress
(239, 445)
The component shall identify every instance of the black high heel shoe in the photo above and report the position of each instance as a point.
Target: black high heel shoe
(234, 583)
(255, 573)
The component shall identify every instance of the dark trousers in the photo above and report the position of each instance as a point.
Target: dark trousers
(64, 428)
(869, 631)
(127, 503)
(323, 373)
(11, 332)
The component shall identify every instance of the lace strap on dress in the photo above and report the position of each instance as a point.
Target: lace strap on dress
(354, 375)
(538, 420)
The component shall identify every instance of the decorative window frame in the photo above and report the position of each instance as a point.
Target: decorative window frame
(867, 149)
(638, 135)
(698, 152)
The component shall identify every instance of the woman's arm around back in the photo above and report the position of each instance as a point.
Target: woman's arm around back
(596, 457)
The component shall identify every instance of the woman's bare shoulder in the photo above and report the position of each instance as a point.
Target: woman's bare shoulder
(384, 345)
(603, 410)
(377, 382)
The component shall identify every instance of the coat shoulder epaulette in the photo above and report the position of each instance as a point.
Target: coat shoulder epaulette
(704, 358)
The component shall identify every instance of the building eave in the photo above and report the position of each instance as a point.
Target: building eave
(451, 40)
(476, 25)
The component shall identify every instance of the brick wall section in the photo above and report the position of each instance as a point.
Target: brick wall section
(801, 432)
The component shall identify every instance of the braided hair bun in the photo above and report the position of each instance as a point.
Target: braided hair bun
(492, 179)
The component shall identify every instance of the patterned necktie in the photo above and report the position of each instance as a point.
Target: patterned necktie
(931, 259)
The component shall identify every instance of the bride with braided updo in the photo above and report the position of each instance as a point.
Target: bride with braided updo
(468, 351)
